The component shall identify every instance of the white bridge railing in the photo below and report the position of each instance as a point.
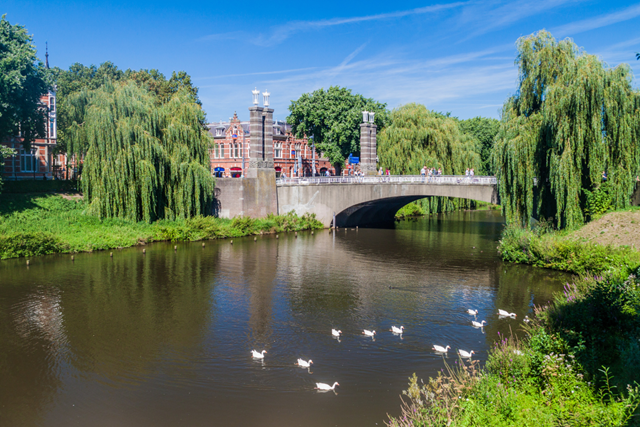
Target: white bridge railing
(415, 179)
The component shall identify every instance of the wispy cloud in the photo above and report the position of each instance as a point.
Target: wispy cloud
(259, 73)
(283, 32)
(598, 22)
(484, 17)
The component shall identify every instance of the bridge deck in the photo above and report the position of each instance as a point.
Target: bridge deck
(393, 179)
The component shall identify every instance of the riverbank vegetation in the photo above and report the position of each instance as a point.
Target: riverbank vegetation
(40, 224)
(566, 251)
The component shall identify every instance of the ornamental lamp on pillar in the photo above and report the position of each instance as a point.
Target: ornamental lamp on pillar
(371, 114)
(265, 97)
(365, 116)
(255, 93)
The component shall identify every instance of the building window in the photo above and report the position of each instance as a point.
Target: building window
(52, 104)
(236, 148)
(52, 128)
(277, 150)
(221, 151)
(219, 132)
(29, 160)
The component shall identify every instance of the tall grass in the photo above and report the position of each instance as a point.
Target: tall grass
(42, 224)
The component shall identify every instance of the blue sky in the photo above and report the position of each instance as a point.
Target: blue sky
(455, 56)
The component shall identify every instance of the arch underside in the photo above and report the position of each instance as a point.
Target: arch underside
(374, 212)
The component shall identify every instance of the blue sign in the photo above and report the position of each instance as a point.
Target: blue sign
(293, 152)
(354, 160)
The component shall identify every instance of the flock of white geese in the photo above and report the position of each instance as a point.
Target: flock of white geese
(396, 330)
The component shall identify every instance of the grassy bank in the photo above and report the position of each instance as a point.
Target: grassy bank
(39, 224)
(569, 251)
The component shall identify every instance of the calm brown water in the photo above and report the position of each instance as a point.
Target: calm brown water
(164, 339)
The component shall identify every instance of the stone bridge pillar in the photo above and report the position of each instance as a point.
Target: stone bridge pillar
(257, 193)
(368, 144)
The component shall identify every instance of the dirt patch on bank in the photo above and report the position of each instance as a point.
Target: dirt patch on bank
(615, 228)
(71, 196)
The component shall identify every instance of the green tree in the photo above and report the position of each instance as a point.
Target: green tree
(416, 137)
(22, 83)
(80, 77)
(156, 82)
(571, 118)
(484, 130)
(142, 161)
(332, 119)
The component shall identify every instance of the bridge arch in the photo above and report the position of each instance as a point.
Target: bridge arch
(366, 200)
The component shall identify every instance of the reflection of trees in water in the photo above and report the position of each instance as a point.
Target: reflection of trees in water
(520, 287)
(414, 260)
(126, 312)
(32, 337)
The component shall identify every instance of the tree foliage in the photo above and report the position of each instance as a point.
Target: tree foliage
(571, 118)
(22, 83)
(484, 130)
(5, 152)
(142, 160)
(80, 77)
(416, 137)
(332, 119)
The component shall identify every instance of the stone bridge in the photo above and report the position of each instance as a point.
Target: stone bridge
(351, 201)
(373, 199)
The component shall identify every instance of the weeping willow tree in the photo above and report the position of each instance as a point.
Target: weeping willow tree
(571, 119)
(143, 160)
(416, 137)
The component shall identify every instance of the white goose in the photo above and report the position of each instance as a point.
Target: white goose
(472, 312)
(326, 387)
(397, 330)
(368, 333)
(335, 333)
(465, 354)
(257, 355)
(304, 364)
(478, 324)
(441, 349)
(506, 313)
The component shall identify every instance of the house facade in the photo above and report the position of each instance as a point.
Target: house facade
(293, 157)
(39, 162)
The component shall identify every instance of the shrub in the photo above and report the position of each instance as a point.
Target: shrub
(29, 244)
(412, 209)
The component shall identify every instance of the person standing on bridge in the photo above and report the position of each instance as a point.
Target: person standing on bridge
(423, 172)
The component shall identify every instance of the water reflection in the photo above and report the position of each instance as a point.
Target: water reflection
(165, 338)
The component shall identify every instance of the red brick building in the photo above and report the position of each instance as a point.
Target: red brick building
(292, 156)
(39, 162)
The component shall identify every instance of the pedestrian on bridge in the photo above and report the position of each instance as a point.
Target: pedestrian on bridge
(423, 172)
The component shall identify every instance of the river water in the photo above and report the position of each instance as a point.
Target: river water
(164, 339)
